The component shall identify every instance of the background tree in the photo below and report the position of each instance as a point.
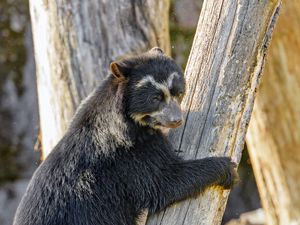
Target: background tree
(75, 41)
(274, 132)
(18, 106)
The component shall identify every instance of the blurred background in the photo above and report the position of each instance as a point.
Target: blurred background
(19, 119)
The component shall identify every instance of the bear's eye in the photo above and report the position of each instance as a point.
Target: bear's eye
(156, 99)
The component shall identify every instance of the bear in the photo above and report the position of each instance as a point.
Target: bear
(114, 161)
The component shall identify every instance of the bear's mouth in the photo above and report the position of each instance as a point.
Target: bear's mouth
(155, 123)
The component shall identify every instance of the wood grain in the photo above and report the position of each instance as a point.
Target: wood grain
(222, 75)
(273, 137)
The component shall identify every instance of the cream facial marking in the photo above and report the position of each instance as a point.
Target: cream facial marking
(164, 88)
(171, 78)
(138, 118)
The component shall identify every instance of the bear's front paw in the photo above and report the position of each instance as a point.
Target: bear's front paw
(228, 174)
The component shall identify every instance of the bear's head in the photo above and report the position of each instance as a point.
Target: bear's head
(154, 89)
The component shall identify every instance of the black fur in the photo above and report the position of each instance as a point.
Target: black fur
(108, 168)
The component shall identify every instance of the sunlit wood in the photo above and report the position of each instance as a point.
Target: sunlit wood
(274, 132)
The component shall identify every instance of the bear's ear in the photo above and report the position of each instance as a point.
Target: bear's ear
(157, 50)
(118, 70)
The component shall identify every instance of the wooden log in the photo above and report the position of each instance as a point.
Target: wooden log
(273, 138)
(222, 75)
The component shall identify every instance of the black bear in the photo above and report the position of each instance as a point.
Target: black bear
(114, 161)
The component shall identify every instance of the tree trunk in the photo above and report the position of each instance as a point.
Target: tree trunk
(274, 132)
(74, 43)
(222, 74)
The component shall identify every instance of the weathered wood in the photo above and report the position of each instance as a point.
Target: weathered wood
(222, 74)
(74, 43)
(256, 217)
(273, 137)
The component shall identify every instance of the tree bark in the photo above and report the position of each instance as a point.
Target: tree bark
(222, 74)
(75, 41)
(273, 137)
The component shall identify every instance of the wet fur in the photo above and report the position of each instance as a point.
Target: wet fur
(107, 169)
